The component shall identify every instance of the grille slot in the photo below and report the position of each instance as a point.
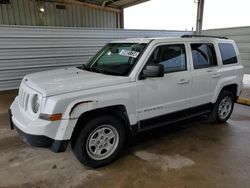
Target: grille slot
(23, 99)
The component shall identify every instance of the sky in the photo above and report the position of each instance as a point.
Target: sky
(181, 14)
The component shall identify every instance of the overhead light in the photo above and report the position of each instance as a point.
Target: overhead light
(42, 9)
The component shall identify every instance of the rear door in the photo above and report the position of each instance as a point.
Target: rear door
(205, 72)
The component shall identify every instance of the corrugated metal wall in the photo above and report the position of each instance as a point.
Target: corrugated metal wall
(241, 35)
(26, 12)
(25, 50)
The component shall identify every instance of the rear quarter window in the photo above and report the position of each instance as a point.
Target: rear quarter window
(228, 53)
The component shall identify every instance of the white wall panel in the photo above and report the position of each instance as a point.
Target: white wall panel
(25, 50)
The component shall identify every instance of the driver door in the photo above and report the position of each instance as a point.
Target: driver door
(163, 95)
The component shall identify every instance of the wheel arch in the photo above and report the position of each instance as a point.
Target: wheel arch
(233, 87)
(119, 111)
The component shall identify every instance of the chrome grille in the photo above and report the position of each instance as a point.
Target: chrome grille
(23, 98)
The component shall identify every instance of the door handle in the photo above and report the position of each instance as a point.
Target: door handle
(183, 81)
(216, 75)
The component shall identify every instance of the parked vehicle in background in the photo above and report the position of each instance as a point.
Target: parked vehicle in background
(129, 86)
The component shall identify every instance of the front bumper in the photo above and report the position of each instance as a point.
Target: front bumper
(39, 140)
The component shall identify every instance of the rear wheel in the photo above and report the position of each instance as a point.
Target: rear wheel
(100, 141)
(223, 107)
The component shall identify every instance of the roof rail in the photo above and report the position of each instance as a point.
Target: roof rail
(192, 36)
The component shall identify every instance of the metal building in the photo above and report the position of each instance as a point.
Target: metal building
(38, 35)
(65, 13)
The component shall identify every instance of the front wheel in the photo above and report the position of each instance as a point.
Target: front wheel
(223, 107)
(100, 141)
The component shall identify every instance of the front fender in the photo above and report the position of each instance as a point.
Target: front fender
(75, 104)
(77, 108)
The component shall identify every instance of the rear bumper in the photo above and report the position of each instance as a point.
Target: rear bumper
(40, 140)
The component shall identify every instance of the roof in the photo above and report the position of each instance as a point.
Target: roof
(120, 4)
(108, 5)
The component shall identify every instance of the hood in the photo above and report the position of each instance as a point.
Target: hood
(59, 81)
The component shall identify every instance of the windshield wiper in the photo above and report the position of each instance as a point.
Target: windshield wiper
(94, 69)
(97, 69)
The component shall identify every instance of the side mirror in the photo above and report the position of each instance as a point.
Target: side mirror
(153, 70)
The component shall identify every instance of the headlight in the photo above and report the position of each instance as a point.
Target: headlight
(35, 103)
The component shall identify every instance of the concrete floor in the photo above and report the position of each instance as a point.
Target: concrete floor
(189, 154)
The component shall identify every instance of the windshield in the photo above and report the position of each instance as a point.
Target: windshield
(116, 58)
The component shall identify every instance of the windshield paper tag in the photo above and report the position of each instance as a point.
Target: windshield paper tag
(128, 53)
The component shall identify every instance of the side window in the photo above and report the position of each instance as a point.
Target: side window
(203, 55)
(173, 57)
(228, 53)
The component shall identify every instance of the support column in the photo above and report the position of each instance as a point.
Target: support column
(199, 21)
(121, 20)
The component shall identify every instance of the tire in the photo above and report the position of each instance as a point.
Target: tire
(223, 107)
(100, 141)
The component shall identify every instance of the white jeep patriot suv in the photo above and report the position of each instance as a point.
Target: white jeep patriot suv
(129, 86)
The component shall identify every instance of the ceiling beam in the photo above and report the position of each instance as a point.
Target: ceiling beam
(78, 3)
(129, 4)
